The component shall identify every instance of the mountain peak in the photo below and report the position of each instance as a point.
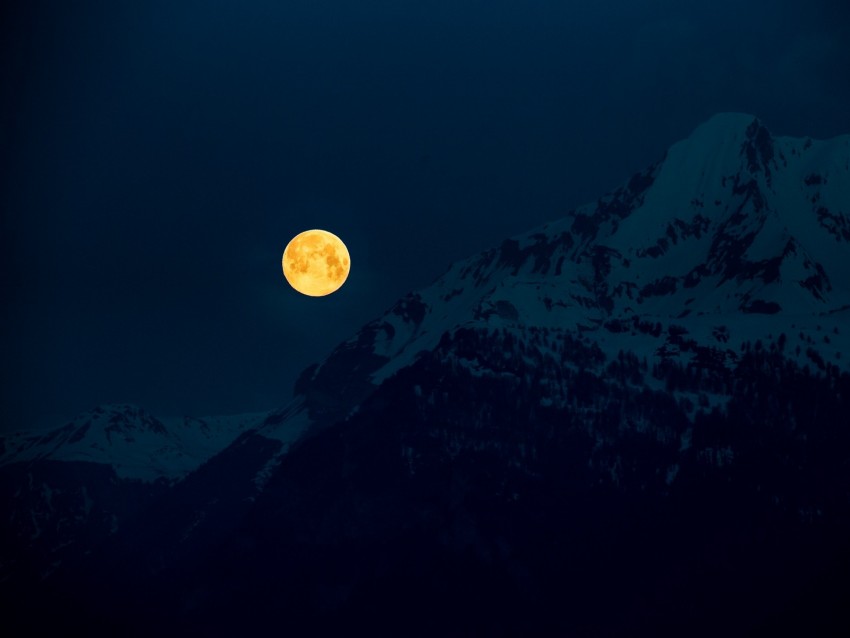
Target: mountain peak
(733, 222)
(725, 136)
(727, 123)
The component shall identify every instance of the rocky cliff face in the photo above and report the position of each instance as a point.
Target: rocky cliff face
(630, 420)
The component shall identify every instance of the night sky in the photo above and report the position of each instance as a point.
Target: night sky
(158, 156)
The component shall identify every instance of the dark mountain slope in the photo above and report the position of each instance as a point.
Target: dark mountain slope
(453, 503)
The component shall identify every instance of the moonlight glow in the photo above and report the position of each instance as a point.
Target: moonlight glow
(316, 263)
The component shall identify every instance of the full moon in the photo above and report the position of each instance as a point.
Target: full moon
(316, 263)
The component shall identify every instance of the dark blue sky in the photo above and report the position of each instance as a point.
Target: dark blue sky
(157, 157)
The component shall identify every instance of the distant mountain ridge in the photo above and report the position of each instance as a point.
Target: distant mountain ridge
(136, 444)
(640, 407)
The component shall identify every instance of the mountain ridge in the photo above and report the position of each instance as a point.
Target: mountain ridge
(650, 387)
(589, 280)
(652, 224)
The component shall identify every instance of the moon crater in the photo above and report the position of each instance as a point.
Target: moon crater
(316, 263)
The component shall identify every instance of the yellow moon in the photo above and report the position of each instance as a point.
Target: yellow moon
(316, 263)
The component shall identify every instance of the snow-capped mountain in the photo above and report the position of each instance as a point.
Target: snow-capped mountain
(733, 224)
(136, 444)
(640, 407)
(73, 487)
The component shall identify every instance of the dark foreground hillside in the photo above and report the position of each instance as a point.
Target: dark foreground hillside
(454, 503)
